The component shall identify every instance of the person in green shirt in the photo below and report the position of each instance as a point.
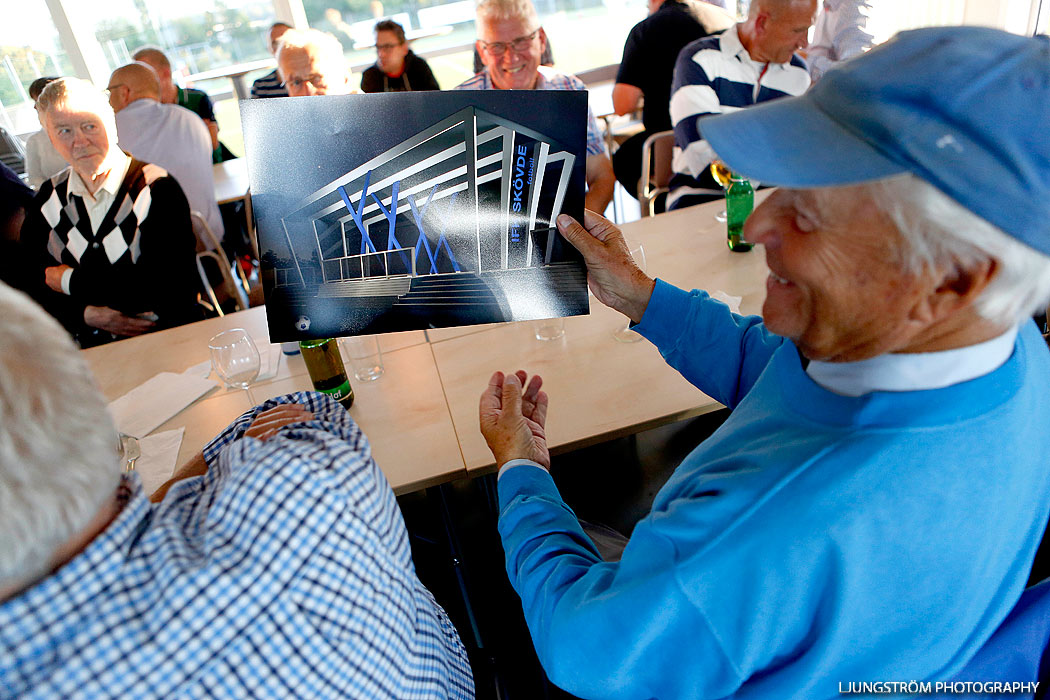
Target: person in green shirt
(196, 101)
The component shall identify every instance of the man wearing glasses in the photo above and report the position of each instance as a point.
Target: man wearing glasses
(511, 43)
(311, 62)
(397, 68)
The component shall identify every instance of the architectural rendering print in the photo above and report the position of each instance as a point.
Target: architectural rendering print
(450, 224)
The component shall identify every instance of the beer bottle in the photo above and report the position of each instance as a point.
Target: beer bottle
(326, 369)
(740, 200)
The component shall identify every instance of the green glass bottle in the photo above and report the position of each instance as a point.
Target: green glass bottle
(326, 369)
(740, 201)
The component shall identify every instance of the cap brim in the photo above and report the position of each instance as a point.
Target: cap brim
(792, 143)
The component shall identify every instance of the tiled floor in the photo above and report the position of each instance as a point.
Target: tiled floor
(613, 483)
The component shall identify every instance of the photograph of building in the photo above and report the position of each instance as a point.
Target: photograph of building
(451, 225)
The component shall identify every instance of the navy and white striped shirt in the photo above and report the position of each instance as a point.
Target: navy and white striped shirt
(284, 572)
(269, 86)
(716, 75)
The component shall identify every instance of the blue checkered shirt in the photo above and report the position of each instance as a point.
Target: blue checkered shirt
(284, 572)
(549, 79)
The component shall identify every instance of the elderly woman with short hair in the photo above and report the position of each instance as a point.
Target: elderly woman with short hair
(110, 241)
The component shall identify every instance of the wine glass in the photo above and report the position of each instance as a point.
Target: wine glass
(625, 334)
(724, 177)
(235, 359)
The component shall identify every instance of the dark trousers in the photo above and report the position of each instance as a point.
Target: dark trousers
(627, 162)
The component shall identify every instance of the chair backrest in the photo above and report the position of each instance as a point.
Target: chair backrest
(12, 152)
(657, 152)
(208, 246)
(1016, 650)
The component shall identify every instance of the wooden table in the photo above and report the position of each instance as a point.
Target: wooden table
(236, 74)
(231, 185)
(421, 416)
(601, 388)
(403, 412)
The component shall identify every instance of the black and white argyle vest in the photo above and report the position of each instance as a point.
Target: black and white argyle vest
(71, 239)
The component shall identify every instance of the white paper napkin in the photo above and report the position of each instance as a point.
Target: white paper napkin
(140, 411)
(201, 369)
(732, 302)
(160, 453)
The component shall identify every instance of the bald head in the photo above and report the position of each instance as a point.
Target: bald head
(135, 81)
(155, 59)
(776, 29)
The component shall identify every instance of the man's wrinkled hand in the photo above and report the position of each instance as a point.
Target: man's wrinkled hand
(53, 276)
(612, 273)
(111, 320)
(513, 420)
(267, 423)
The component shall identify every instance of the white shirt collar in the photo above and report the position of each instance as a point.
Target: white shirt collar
(110, 185)
(731, 45)
(914, 371)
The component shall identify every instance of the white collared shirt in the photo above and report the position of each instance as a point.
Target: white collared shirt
(841, 32)
(914, 371)
(99, 203)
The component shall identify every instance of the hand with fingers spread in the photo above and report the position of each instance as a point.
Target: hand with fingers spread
(267, 423)
(612, 273)
(513, 420)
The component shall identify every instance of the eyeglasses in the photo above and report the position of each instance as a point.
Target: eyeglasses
(387, 47)
(498, 48)
(316, 80)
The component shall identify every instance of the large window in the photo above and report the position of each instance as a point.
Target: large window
(217, 37)
(29, 49)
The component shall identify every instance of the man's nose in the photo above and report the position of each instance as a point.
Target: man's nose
(803, 42)
(760, 227)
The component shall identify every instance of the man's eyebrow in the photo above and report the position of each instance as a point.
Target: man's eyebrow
(806, 204)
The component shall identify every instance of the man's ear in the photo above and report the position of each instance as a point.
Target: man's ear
(761, 23)
(543, 41)
(959, 288)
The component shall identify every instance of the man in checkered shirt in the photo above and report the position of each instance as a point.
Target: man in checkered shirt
(277, 565)
(511, 43)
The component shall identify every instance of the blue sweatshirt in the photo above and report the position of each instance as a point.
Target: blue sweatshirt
(812, 539)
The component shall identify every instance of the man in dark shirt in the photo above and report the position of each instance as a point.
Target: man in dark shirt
(15, 200)
(396, 69)
(646, 71)
(108, 243)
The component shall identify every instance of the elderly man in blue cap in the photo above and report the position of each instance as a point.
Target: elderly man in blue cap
(870, 509)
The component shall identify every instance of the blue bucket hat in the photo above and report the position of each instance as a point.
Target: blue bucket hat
(967, 109)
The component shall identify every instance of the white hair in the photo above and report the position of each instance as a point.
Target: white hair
(58, 446)
(74, 93)
(940, 232)
(501, 10)
(325, 48)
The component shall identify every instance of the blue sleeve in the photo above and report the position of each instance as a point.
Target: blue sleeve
(630, 612)
(717, 351)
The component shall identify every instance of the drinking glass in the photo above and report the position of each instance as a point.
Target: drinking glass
(625, 334)
(723, 176)
(235, 359)
(365, 357)
(549, 328)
